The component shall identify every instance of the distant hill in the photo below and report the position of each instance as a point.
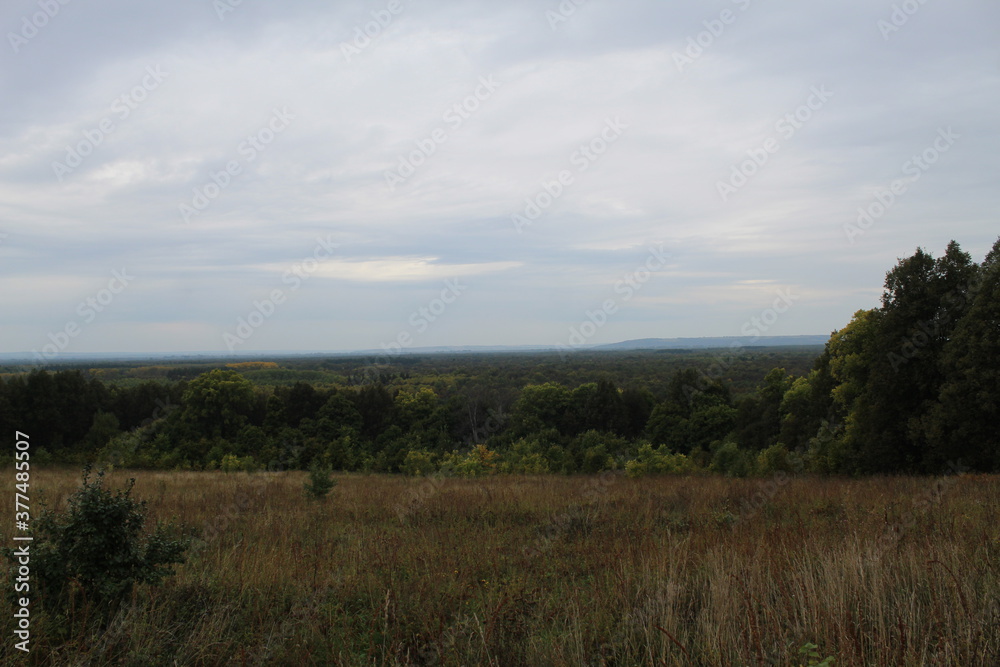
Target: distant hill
(638, 344)
(706, 343)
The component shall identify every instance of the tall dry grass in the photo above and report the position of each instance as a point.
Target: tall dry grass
(558, 571)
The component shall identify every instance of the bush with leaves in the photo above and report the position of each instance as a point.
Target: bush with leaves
(525, 457)
(94, 553)
(418, 462)
(477, 462)
(319, 483)
(649, 461)
(775, 459)
(234, 463)
(728, 459)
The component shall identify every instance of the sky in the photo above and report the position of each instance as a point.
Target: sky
(235, 176)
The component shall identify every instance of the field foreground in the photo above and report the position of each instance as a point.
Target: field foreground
(556, 571)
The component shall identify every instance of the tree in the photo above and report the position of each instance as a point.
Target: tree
(962, 424)
(807, 405)
(143, 403)
(638, 404)
(319, 484)
(301, 401)
(759, 415)
(600, 407)
(43, 410)
(695, 413)
(374, 403)
(888, 364)
(424, 419)
(543, 406)
(103, 429)
(849, 356)
(217, 404)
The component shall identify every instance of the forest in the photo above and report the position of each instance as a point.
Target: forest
(907, 387)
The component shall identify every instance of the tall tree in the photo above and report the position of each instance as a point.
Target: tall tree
(900, 377)
(962, 424)
(600, 408)
(375, 404)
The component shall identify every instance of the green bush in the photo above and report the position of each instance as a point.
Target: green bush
(651, 461)
(730, 460)
(596, 459)
(774, 459)
(525, 457)
(419, 462)
(233, 463)
(477, 462)
(319, 484)
(96, 551)
(120, 450)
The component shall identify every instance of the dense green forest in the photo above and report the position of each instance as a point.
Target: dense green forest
(910, 386)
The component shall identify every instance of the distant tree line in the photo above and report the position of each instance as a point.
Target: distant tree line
(911, 386)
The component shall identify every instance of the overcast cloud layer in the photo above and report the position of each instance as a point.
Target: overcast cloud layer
(690, 199)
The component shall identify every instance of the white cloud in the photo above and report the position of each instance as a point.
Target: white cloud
(324, 174)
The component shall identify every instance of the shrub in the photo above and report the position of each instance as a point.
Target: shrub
(730, 460)
(811, 652)
(596, 459)
(525, 457)
(120, 450)
(233, 463)
(478, 462)
(418, 462)
(97, 549)
(773, 459)
(649, 461)
(320, 483)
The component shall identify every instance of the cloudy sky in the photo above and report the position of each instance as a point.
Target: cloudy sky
(202, 175)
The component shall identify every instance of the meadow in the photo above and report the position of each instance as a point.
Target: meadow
(553, 570)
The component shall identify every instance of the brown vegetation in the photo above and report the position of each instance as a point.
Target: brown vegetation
(555, 570)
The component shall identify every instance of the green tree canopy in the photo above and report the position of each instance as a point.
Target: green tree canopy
(218, 403)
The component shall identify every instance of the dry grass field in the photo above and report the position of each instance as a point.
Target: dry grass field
(556, 571)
